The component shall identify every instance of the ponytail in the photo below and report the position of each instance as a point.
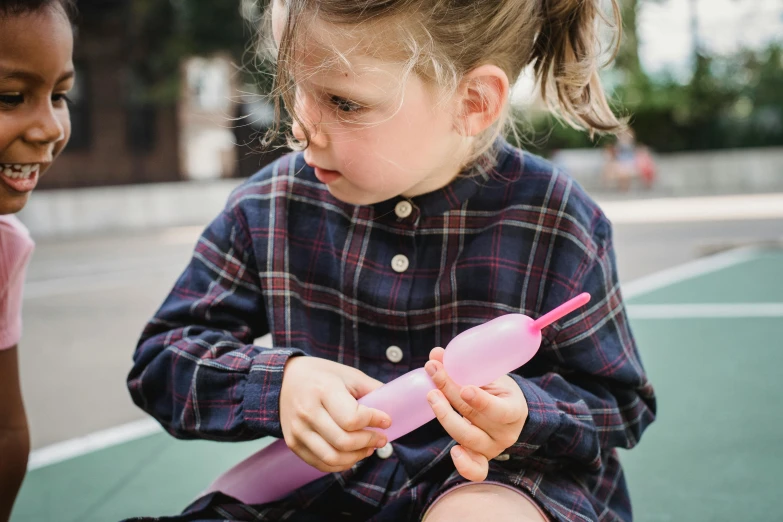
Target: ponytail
(566, 62)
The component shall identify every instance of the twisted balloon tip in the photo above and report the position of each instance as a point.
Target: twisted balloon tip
(560, 312)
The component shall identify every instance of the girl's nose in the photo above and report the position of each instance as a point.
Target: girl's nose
(46, 127)
(298, 131)
(308, 113)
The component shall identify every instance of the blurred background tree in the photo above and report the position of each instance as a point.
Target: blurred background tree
(163, 33)
(729, 101)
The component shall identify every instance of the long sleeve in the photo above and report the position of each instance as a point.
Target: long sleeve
(195, 367)
(599, 398)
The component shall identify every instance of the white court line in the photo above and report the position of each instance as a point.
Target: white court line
(705, 311)
(689, 270)
(709, 208)
(77, 447)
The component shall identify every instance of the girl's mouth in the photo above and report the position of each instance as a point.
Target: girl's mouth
(326, 176)
(20, 177)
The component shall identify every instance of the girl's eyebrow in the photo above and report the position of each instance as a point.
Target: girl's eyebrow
(30, 76)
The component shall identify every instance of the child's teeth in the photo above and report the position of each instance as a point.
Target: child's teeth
(18, 171)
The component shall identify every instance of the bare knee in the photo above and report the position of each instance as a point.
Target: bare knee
(484, 502)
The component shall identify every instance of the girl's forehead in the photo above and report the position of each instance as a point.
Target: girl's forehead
(329, 63)
(37, 44)
(320, 48)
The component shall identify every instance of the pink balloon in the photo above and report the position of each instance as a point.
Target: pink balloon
(476, 357)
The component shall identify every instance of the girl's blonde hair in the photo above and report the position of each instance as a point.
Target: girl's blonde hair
(442, 40)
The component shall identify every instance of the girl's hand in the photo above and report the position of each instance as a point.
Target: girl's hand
(484, 421)
(322, 421)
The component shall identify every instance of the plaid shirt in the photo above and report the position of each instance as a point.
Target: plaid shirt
(288, 258)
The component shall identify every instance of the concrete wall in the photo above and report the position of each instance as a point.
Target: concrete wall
(104, 111)
(693, 173)
(139, 207)
(125, 208)
(722, 172)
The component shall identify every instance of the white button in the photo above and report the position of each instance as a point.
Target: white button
(394, 354)
(502, 457)
(403, 209)
(400, 263)
(385, 452)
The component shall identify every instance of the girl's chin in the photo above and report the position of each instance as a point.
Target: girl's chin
(11, 204)
(358, 200)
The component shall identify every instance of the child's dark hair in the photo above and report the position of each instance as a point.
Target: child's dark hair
(444, 39)
(19, 7)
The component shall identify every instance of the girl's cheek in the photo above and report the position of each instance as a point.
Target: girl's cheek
(66, 124)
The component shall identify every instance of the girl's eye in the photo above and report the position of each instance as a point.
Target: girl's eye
(343, 105)
(61, 97)
(11, 100)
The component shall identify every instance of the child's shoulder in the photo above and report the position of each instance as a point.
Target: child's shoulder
(286, 175)
(16, 246)
(12, 228)
(532, 181)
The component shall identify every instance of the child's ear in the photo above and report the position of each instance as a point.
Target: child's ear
(483, 96)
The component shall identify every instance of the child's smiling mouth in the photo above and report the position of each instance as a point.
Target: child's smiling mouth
(21, 177)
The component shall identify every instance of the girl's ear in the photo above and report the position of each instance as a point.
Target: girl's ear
(483, 94)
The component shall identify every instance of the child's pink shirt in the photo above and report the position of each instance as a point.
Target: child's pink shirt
(16, 247)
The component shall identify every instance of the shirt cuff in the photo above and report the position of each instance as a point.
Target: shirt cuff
(543, 418)
(262, 392)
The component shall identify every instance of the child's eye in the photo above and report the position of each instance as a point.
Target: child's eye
(11, 100)
(61, 97)
(343, 105)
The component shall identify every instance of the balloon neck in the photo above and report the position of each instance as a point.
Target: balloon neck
(559, 312)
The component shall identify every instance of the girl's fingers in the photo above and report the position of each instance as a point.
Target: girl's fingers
(460, 429)
(471, 465)
(306, 455)
(449, 388)
(342, 440)
(324, 456)
(352, 416)
(482, 408)
(488, 408)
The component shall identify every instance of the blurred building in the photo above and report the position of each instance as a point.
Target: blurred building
(221, 122)
(115, 140)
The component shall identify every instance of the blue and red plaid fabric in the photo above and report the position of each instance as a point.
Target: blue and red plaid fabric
(288, 258)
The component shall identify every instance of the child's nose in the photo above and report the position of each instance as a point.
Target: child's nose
(317, 136)
(46, 127)
(308, 113)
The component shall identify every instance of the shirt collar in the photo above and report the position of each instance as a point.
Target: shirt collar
(453, 195)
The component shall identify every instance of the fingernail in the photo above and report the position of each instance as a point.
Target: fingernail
(468, 394)
(432, 397)
(430, 368)
(380, 443)
(370, 452)
(456, 452)
(385, 423)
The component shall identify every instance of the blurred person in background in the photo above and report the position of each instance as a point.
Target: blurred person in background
(627, 161)
(36, 73)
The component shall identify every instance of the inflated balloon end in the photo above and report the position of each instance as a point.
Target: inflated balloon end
(477, 356)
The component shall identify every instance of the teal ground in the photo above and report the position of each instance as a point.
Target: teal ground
(714, 453)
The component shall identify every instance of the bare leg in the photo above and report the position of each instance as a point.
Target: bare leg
(480, 502)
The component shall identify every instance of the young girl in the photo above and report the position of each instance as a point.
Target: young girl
(36, 72)
(405, 221)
